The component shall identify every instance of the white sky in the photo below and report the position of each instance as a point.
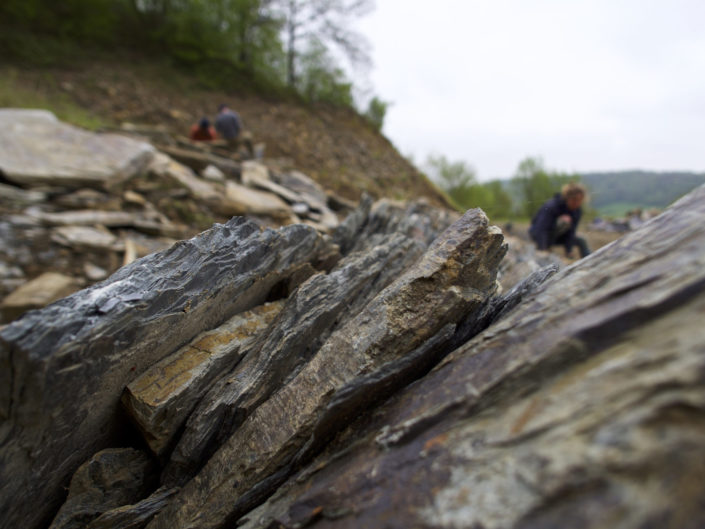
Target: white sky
(585, 84)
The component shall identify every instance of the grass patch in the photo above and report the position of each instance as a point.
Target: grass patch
(14, 95)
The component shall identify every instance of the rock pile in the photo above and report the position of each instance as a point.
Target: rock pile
(80, 204)
(375, 375)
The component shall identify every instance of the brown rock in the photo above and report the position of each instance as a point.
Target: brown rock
(37, 293)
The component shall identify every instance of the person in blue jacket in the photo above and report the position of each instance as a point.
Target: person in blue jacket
(557, 220)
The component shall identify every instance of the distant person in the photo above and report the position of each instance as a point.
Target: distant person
(229, 126)
(202, 131)
(557, 220)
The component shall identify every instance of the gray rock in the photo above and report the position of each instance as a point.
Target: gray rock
(87, 237)
(296, 181)
(454, 277)
(583, 407)
(112, 219)
(523, 260)
(211, 172)
(16, 196)
(198, 160)
(37, 149)
(113, 477)
(63, 369)
(94, 272)
(246, 201)
(347, 233)
(161, 398)
(37, 293)
(87, 199)
(134, 516)
(309, 316)
(418, 220)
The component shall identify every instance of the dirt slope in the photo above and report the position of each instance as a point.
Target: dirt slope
(332, 145)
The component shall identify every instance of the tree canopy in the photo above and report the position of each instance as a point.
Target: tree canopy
(267, 44)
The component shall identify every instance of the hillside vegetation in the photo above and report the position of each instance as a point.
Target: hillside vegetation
(616, 193)
(332, 144)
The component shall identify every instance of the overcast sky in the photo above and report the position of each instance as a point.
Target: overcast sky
(586, 84)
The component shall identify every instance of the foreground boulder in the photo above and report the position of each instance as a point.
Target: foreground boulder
(455, 277)
(63, 369)
(388, 391)
(584, 407)
(309, 316)
(37, 149)
(111, 479)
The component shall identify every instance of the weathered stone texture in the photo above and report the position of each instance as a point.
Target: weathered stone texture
(321, 304)
(36, 149)
(112, 478)
(583, 407)
(65, 367)
(455, 276)
(160, 400)
(134, 516)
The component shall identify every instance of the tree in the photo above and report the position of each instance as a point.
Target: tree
(376, 112)
(326, 21)
(321, 79)
(533, 184)
(455, 178)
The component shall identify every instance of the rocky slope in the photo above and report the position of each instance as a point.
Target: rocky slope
(400, 366)
(332, 145)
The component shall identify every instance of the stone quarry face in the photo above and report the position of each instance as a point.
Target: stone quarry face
(376, 377)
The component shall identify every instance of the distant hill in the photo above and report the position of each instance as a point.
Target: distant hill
(615, 193)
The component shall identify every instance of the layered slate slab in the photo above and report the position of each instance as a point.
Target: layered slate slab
(161, 399)
(38, 149)
(321, 304)
(455, 277)
(64, 368)
(584, 407)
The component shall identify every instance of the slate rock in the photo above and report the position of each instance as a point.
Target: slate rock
(523, 260)
(417, 219)
(160, 400)
(134, 516)
(15, 196)
(318, 306)
(35, 294)
(64, 368)
(246, 201)
(38, 149)
(582, 407)
(111, 478)
(455, 277)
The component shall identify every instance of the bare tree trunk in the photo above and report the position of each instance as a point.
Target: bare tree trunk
(291, 52)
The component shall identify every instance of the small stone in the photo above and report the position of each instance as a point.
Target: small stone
(48, 287)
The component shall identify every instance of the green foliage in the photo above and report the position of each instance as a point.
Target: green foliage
(226, 43)
(533, 184)
(614, 194)
(321, 80)
(376, 112)
(15, 96)
(459, 182)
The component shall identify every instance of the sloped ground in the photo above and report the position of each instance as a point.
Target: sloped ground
(333, 145)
